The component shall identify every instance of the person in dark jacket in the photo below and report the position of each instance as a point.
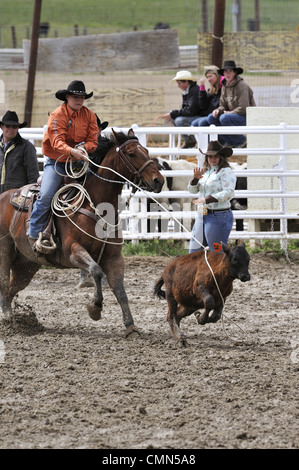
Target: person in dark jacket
(18, 162)
(190, 109)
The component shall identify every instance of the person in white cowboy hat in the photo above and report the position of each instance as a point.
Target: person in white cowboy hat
(71, 131)
(18, 162)
(236, 97)
(190, 109)
(216, 183)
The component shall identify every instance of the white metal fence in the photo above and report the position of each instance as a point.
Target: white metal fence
(136, 216)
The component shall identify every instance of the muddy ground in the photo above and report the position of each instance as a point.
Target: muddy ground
(68, 382)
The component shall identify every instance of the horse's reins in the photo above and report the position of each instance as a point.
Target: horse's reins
(128, 164)
(56, 202)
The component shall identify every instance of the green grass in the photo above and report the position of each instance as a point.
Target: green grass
(172, 248)
(274, 248)
(107, 16)
(155, 248)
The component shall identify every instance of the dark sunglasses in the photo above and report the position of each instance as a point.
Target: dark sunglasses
(11, 125)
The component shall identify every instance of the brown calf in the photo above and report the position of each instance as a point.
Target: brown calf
(190, 285)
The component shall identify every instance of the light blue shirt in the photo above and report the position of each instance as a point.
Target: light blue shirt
(220, 185)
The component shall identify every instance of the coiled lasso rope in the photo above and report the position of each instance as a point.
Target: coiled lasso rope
(62, 207)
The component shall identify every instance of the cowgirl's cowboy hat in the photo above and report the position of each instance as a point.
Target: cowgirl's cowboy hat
(230, 64)
(10, 117)
(75, 88)
(215, 148)
(101, 125)
(211, 68)
(183, 75)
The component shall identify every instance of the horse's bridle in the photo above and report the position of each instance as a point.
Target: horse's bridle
(136, 173)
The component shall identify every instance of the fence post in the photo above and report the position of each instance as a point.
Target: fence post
(13, 36)
(143, 210)
(141, 137)
(283, 187)
(133, 221)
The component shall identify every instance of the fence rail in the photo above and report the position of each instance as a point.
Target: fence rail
(135, 217)
(14, 58)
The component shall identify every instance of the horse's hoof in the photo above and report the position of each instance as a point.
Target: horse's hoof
(132, 332)
(201, 318)
(214, 317)
(94, 312)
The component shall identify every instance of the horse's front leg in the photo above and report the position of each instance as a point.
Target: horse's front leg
(81, 259)
(114, 270)
(95, 308)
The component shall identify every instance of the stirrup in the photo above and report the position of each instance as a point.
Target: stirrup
(45, 246)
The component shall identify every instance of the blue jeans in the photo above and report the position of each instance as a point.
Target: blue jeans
(201, 122)
(185, 121)
(51, 182)
(211, 228)
(229, 120)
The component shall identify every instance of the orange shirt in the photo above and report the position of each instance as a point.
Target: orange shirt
(67, 128)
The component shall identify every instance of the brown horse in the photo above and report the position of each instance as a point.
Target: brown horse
(81, 242)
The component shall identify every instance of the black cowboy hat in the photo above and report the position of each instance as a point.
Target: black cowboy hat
(101, 125)
(10, 117)
(75, 88)
(230, 64)
(215, 148)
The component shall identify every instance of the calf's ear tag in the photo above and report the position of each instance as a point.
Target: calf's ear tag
(217, 247)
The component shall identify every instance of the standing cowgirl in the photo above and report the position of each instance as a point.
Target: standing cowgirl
(216, 183)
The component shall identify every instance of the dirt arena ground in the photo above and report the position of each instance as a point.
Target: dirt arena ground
(67, 382)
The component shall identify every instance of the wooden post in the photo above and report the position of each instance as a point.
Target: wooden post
(257, 15)
(218, 32)
(32, 61)
(14, 38)
(204, 14)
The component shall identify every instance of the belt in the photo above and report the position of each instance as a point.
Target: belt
(211, 211)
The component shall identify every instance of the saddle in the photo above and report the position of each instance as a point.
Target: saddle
(23, 199)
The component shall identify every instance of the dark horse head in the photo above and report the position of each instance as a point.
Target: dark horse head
(132, 160)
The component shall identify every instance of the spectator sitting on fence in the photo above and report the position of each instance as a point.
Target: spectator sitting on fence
(236, 97)
(18, 162)
(190, 109)
(208, 99)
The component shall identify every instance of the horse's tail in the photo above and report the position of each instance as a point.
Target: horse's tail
(157, 290)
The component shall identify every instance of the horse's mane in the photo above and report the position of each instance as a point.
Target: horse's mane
(104, 145)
